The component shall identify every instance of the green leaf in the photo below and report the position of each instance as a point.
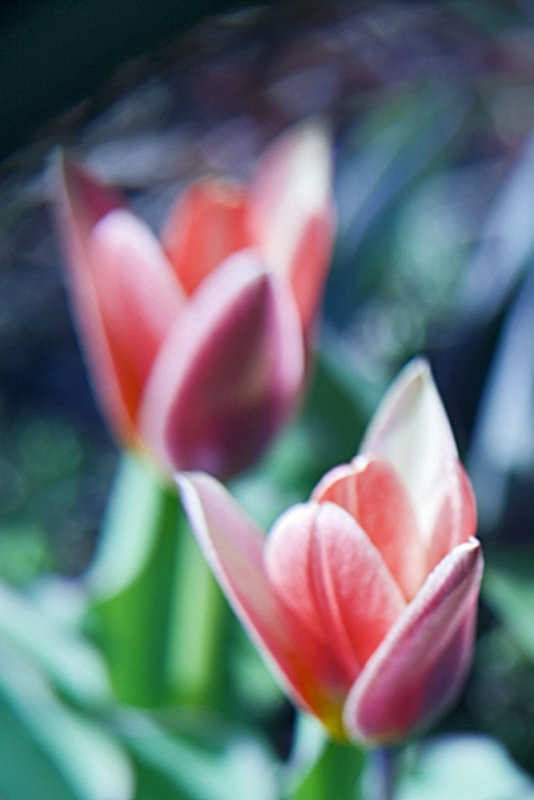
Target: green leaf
(509, 590)
(184, 769)
(138, 499)
(131, 582)
(388, 151)
(464, 767)
(340, 404)
(71, 662)
(156, 609)
(49, 750)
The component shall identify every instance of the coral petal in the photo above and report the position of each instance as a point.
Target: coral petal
(83, 199)
(139, 297)
(412, 432)
(327, 571)
(292, 214)
(420, 666)
(310, 263)
(371, 491)
(233, 369)
(80, 202)
(233, 546)
(457, 516)
(204, 227)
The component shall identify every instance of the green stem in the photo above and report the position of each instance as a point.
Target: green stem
(155, 606)
(197, 627)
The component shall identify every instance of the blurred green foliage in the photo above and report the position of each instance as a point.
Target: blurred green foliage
(122, 674)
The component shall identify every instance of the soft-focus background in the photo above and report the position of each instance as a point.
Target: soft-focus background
(432, 111)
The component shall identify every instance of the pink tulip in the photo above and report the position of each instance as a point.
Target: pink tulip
(197, 343)
(364, 598)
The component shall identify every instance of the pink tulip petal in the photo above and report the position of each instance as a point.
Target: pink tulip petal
(371, 491)
(229, 374)
(412, 432)
(457, 517)
(309, 266)
(421, 664)
(233, 546)
(81, 201)
(327, 571)
(205, 226)
(138, 295)
(291, 212)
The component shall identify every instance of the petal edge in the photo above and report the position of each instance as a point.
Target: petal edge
(420, 666)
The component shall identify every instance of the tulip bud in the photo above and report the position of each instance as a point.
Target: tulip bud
(196, 344)
(363, 599)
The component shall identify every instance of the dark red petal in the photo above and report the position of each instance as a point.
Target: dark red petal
(230, 373)
(421, 664)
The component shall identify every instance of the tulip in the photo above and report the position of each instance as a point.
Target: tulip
(197, 343)
(364, 598)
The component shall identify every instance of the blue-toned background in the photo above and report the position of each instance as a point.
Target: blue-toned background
(432, 111)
